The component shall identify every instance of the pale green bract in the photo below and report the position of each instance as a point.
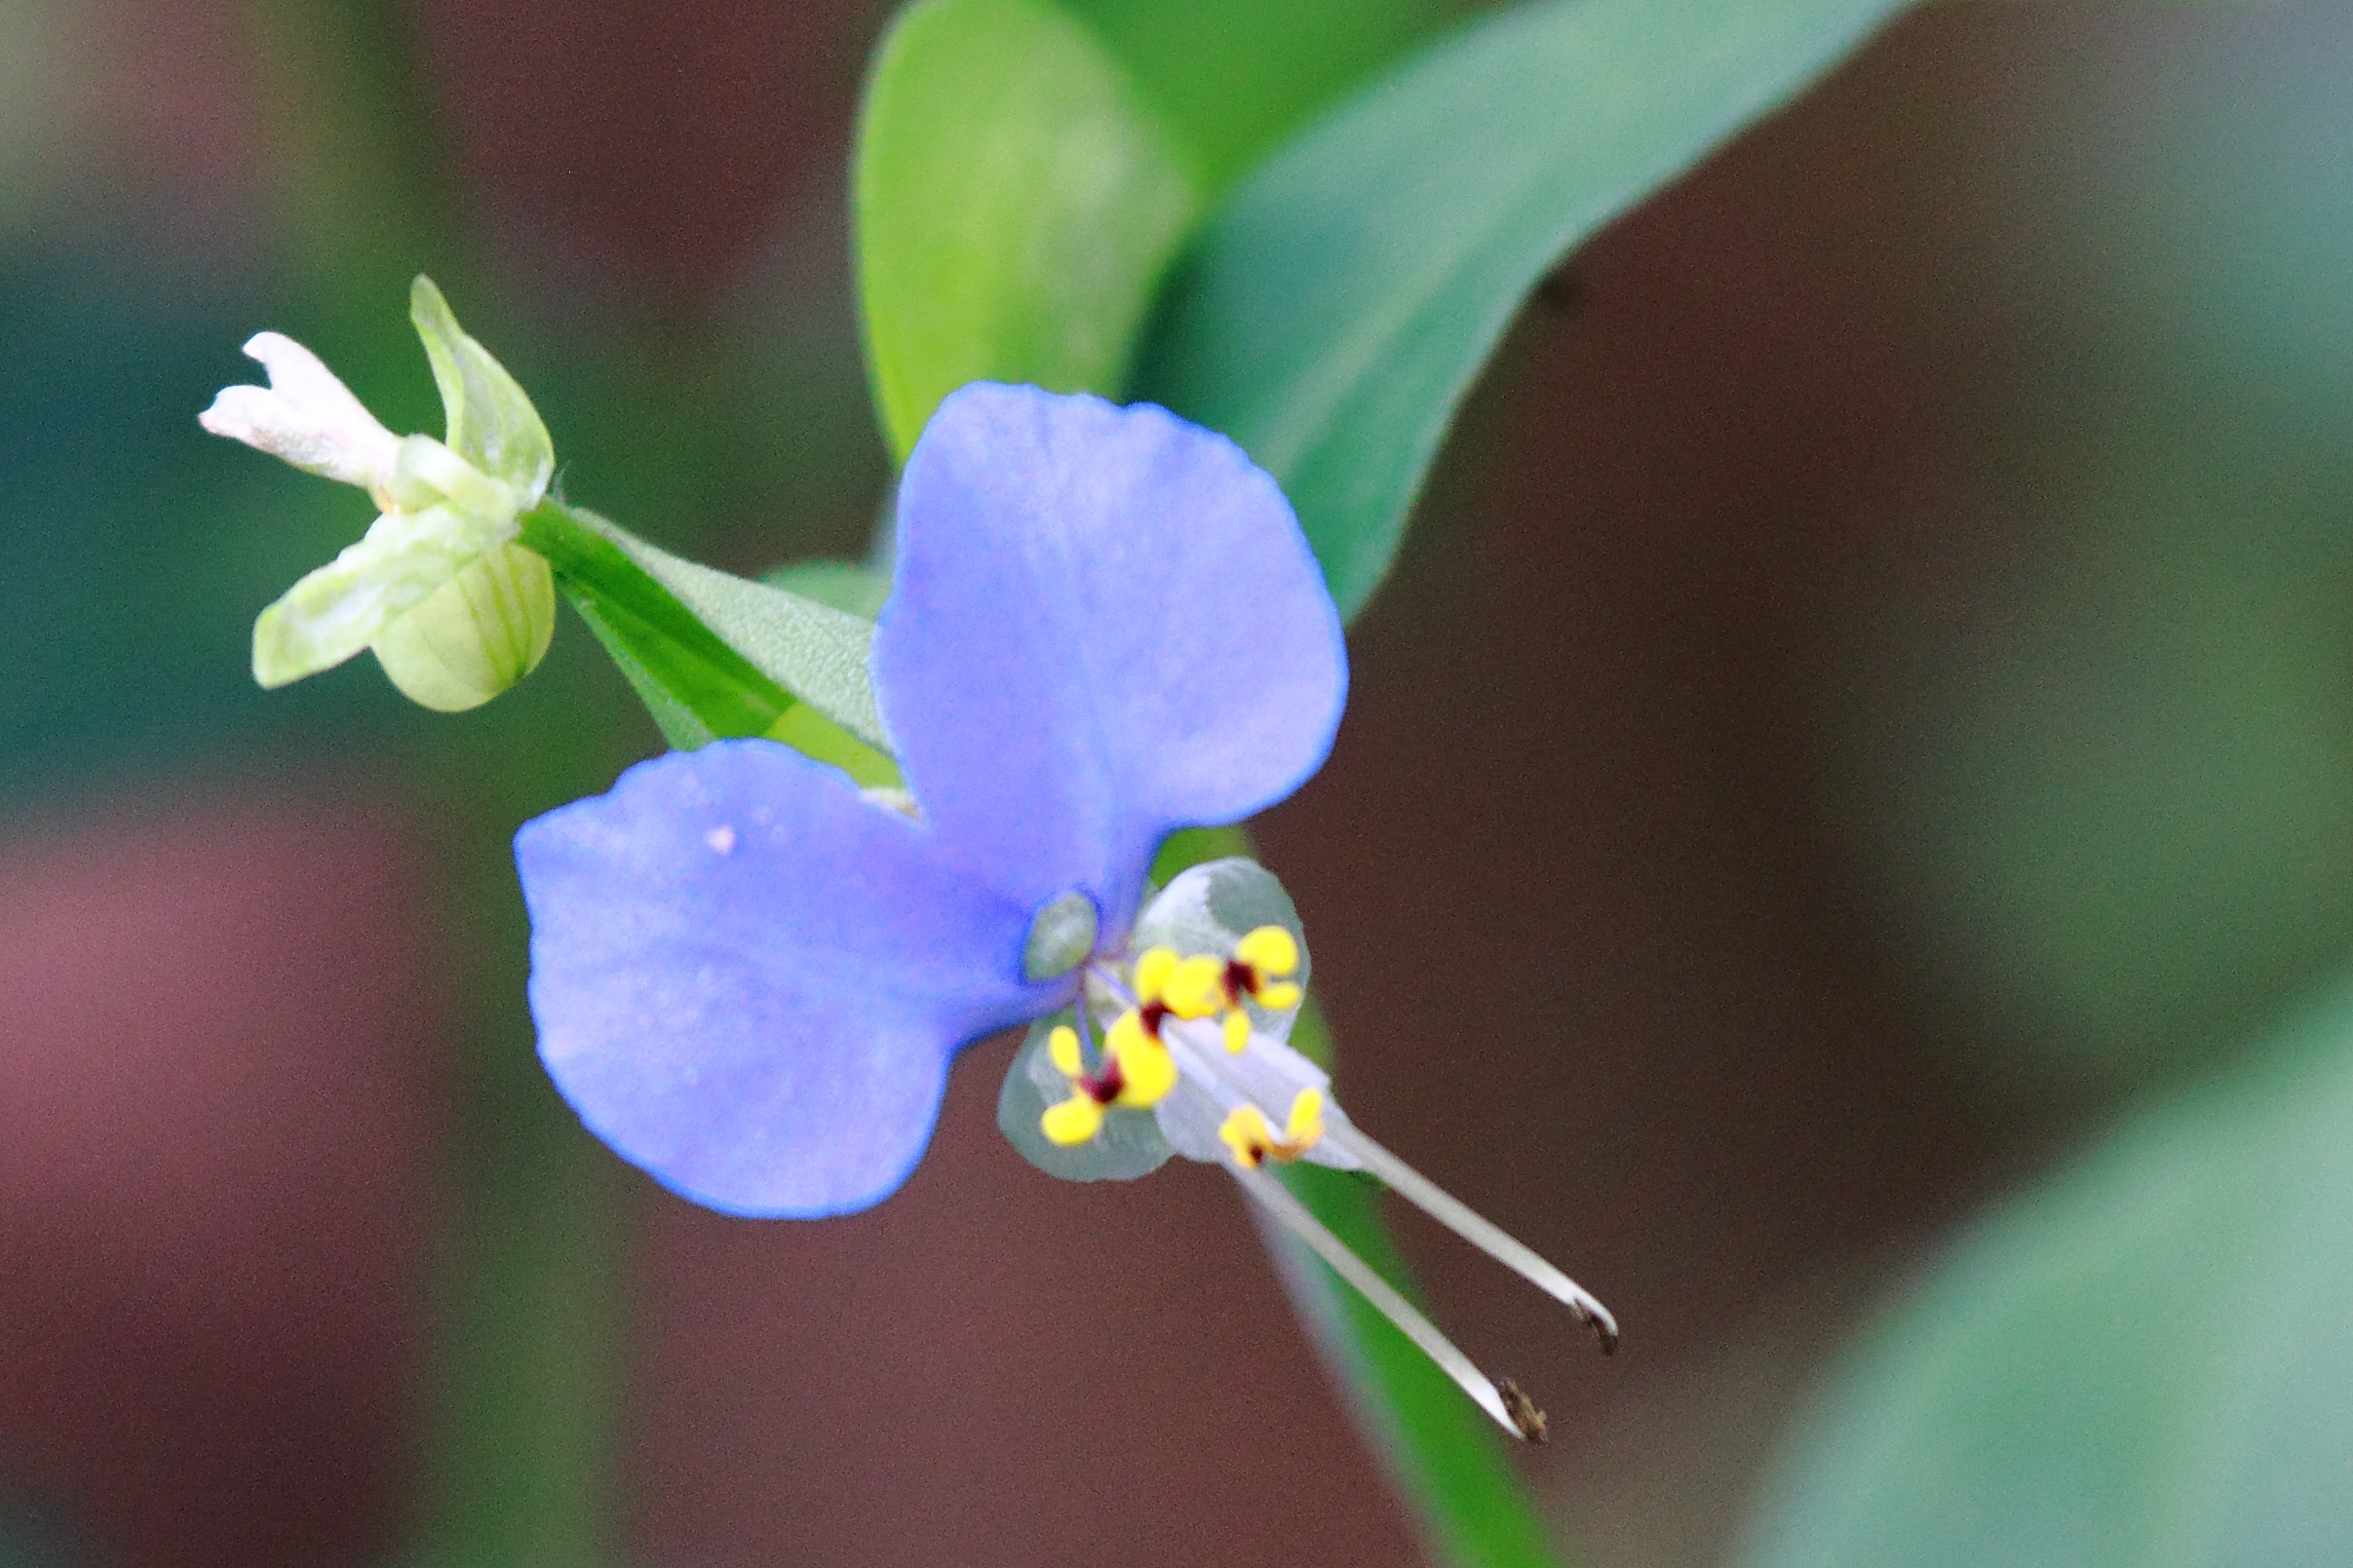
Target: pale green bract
(454, 610)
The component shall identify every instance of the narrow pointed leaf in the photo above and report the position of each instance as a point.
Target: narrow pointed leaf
(680, 718)
(733, 654)
(1340, 303)
(845, 584)
(1016, 200)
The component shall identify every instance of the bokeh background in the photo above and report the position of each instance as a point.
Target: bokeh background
(1865, 702)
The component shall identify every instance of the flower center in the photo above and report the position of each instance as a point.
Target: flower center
(1134, 1067)
(1131, 1070)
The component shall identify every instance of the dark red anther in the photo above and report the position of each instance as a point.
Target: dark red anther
(1103, 1087)
(1240, 980)
(1150, 1015)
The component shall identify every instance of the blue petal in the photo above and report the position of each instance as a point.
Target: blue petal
(1104, 624)
(749, 980)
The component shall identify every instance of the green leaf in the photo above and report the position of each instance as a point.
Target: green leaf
(730, 653)
(1339, 304)
(1016, 201)
(846, 586)
(680, 717)
(1439, 1449)
(1235, 76)
(2146, 1362)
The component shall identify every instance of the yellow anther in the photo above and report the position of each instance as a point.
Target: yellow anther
(1073, 1120)
(1063, 1046)
(1307, 1122)
(1247, 1133)
(1251, 1137)
(1146, 1070)
(1195, 987)
(1152, 968)
(1279, 997)
(1270, 950)
(1236, 1029)
(1125, 1034)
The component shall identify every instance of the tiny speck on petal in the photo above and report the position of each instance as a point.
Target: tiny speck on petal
(722, 839)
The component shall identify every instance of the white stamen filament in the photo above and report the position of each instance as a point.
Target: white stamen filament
(1201, 1056)
(1203, 1063)
(1276, 1199)
(1466, 1222)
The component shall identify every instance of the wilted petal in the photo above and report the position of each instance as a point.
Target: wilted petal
(343, 606)
(305, 416)
(1104, 624)
(749, 980)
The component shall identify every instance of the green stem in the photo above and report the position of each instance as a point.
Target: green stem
(1439, 1451)
(523, 1437)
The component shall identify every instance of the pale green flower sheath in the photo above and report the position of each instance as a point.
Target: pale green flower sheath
(454, 609)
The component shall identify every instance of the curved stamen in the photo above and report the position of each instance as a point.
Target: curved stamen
(1276, 1199)
(1206, 1067)
(1484, 1234)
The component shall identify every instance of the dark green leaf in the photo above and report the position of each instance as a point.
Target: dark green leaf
(673, 715)
(1016, 201)
(1234, 77)
(696, 686)
(2149, 1362)
(846, 586)
(1341, 302)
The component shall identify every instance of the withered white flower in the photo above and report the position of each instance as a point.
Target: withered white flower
(454, 609)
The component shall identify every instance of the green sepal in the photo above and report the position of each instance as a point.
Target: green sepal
(333, 612)
(492, 424)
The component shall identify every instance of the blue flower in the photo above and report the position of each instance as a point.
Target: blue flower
(749, 977)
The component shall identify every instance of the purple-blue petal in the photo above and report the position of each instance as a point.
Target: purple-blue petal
(749, 980)
(1104, 624)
